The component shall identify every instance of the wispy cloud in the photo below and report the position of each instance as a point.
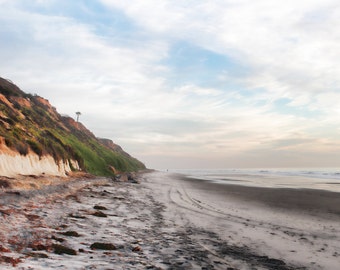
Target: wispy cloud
(209, 83)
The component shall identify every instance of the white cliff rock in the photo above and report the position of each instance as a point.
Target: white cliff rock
(31, 164)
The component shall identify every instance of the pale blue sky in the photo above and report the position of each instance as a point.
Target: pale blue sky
(187, 84)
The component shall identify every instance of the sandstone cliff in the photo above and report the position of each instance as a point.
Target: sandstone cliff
(35, 139)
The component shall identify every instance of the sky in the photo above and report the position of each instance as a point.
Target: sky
(187, 84)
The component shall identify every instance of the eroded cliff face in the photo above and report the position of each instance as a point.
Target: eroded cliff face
(13, 164)
(36, 140)
(32, 164)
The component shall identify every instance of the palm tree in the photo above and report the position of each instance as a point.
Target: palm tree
(78, 114)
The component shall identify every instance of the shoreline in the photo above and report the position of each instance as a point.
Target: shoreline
(165, 222)
(322, 179)
(298, 199)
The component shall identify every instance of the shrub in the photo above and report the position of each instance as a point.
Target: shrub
(9, 141)
(22, 148)
(36, 147)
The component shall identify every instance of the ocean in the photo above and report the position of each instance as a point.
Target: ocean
(316, 178)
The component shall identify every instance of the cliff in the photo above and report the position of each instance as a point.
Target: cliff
(35, 139)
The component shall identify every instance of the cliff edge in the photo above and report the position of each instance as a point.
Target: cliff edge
(36, 140)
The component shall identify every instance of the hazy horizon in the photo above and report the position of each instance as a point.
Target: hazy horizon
(187, 84)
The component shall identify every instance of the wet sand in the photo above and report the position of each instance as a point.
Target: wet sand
(320, 202)
(290, 228)
(168, 222)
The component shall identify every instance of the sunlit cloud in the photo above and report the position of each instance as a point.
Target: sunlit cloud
(217, 83)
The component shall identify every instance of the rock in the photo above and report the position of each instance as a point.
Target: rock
(121, 177)
(103, 246)
(135, 181)
(58, 239)
(137, 249)
(120, 198)
(63, 226)
(59, 249)
(37, 255)
(71, 233)
(126, 177)
(76, 216)
(99, 214)
(99, 207)
(132, 177)
(38, 246)
(73, 197)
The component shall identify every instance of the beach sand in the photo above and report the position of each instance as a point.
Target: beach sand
(168, 222)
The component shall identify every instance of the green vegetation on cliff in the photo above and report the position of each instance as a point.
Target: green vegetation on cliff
(28, 123)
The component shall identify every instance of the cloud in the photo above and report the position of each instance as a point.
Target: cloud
(219, 79)
(291, 47)
(56, 53)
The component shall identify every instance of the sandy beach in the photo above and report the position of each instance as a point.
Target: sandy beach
(168, 221)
